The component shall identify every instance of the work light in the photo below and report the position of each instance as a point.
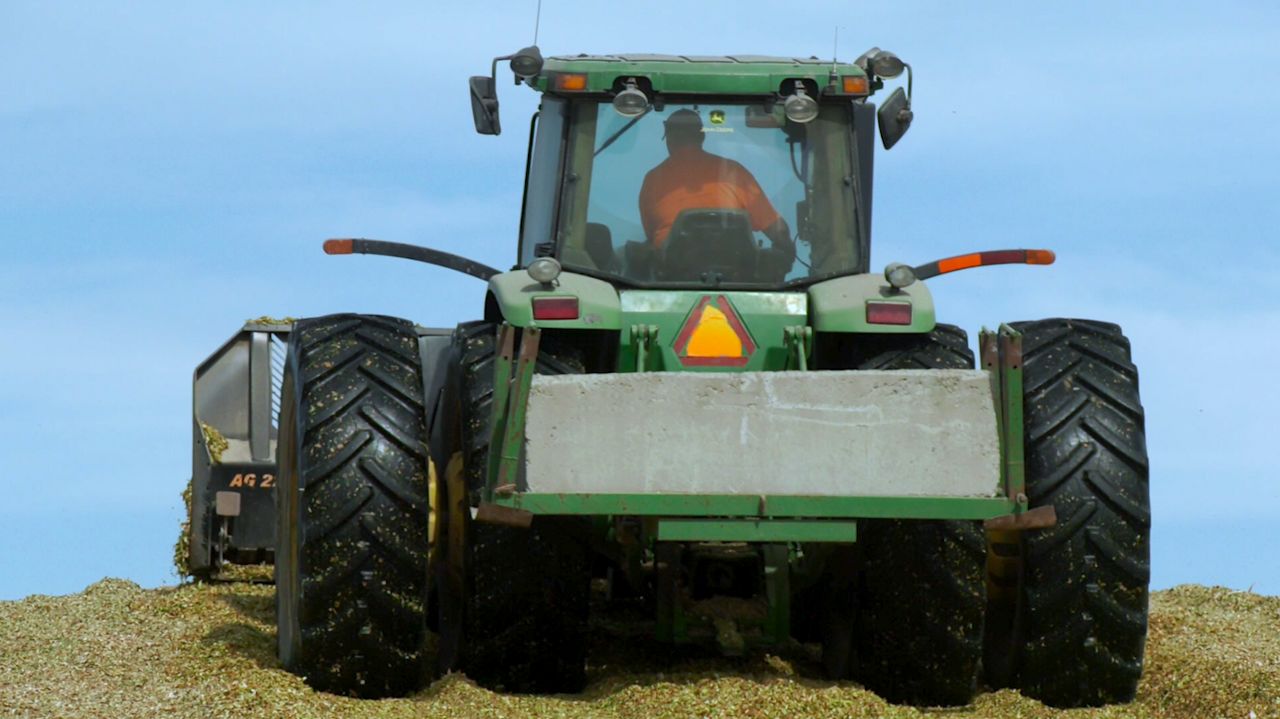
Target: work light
(631, 101)
(527, 63)
(886, 64)
(544, 270)
(799, 107)
(899, 275)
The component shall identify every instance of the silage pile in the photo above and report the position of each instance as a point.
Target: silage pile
(208, 651)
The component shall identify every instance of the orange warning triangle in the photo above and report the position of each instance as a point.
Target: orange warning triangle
(714, 335)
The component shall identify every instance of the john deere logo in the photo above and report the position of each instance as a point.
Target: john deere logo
(717, 117)
(714, 336)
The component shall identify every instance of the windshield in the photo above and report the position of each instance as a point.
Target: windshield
(709, 194)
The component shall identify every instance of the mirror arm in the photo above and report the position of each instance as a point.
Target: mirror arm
(348, 246)
(493, 71)
(907, 115)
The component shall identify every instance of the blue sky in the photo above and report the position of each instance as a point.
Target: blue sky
(169, 170)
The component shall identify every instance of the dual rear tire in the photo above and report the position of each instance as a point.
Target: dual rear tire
(1072, 628)
(1067, 621)
(920, 596)
(526, 590)
(354, 505)
(371, 543)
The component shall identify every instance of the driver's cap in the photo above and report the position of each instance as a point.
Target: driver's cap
(682, 122)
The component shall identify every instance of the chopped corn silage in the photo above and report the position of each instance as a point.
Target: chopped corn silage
(208, 650)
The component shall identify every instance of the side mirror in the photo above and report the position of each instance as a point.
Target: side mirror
(484, 105)
(894, 117)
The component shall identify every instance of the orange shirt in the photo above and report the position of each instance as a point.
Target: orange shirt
(693, 179)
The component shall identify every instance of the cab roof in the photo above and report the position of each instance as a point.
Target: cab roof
(694, 74)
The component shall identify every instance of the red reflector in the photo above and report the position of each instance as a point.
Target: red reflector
(555, 308)
(888, 313)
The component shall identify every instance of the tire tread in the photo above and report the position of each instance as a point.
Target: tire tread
(1085, 587)
(526, 605)
(362, 469)
(921, 596)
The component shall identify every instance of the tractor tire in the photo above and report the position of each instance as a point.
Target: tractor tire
(1082, 622)
(921, 593)
(526, 600)
(354, 507)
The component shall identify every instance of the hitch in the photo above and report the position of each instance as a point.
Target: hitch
(227, 508)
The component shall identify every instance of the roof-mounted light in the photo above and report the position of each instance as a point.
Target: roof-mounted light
(632, 101)
(799, 107)
(527, 63)
(886, 64)
(881, 62)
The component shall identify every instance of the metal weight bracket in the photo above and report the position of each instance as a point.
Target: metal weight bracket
(512, 378)
(1001, 356)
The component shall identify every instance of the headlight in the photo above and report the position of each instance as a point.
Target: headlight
(544, 270)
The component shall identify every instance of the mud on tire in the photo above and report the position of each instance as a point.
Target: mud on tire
(1083, 619)
(526, 601)
(352, 507)
(921, 594)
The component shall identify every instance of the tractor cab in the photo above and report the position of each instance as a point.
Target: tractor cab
(660, 171)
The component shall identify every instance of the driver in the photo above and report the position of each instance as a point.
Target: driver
(691, 178)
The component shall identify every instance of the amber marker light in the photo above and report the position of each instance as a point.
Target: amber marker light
(963, 262)
(571, 82)
(980, 259)
(338, 247)
(854, 85)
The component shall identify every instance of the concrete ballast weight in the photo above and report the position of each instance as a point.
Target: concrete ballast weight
(840, 433)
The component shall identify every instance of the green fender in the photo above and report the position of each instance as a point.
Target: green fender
(837, 305)
(598, 305)
(840, 305)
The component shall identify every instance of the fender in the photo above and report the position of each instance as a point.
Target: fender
(840, 305)
(598, 305)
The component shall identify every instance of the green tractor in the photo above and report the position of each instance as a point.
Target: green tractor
(692, 389)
